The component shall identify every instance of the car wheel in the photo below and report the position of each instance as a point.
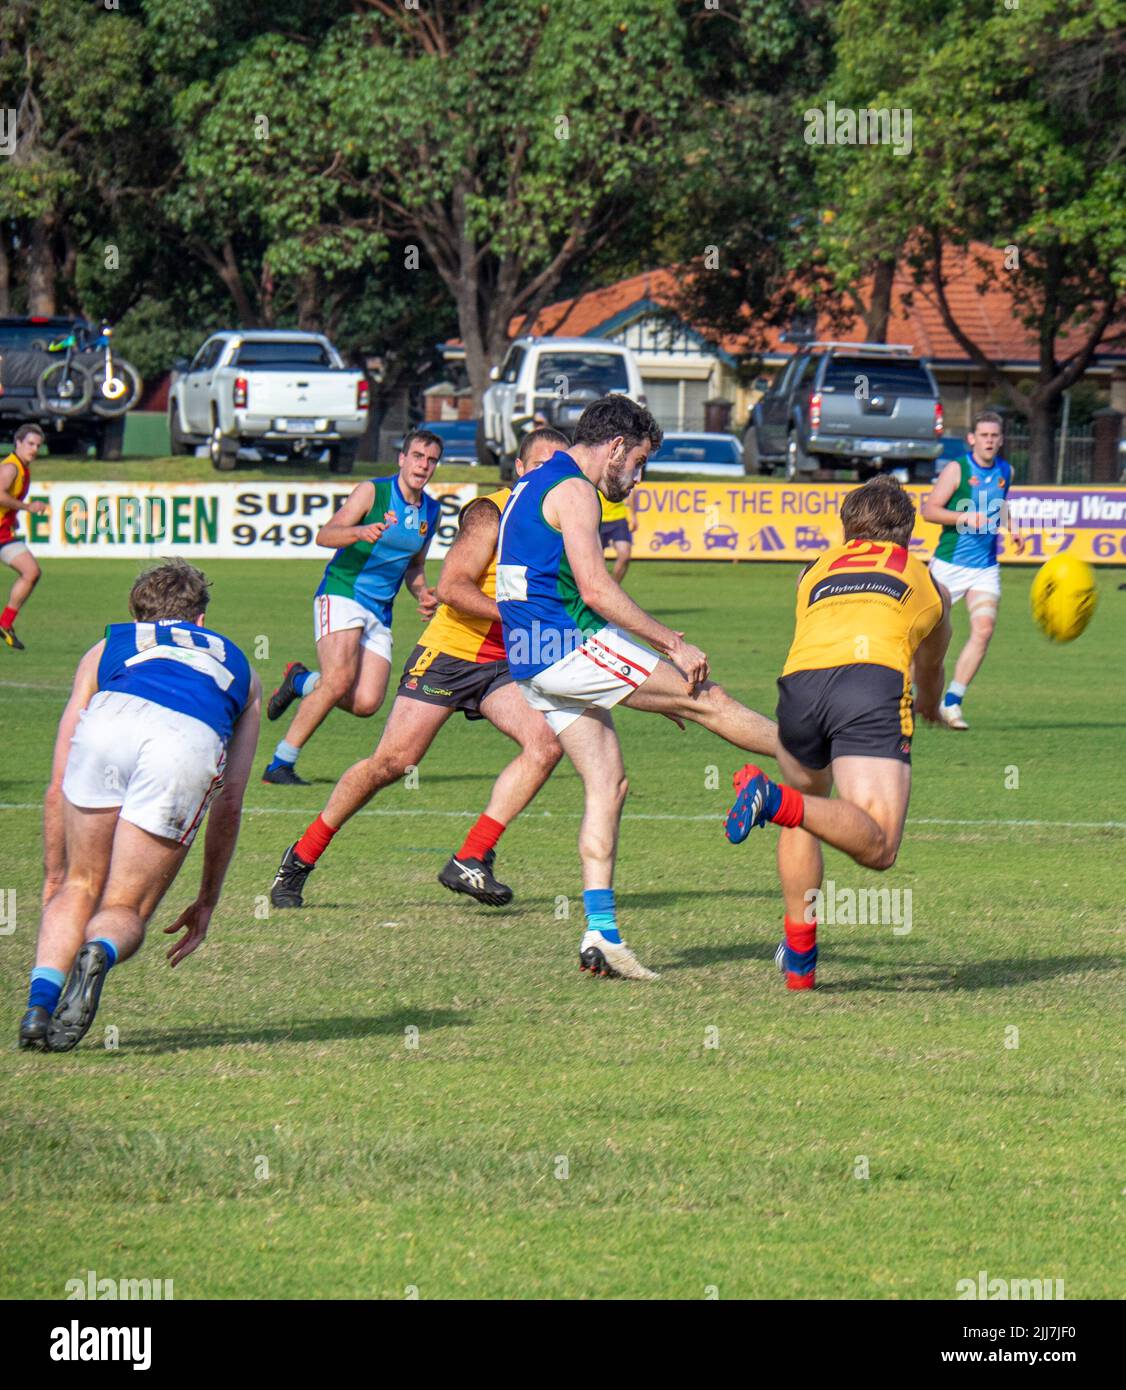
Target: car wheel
(177, 441)
(223, 450)
(752, 460)
(485, 456)
(797, 460)
(109, 442)
(508, 468)
(341, 458)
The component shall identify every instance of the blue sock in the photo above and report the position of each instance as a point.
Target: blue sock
(46, 986)
(111, 949)
(305, 684)
(954, 693)
(598, 904)
(285, 755)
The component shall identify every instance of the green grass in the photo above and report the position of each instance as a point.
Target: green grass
(284, 1042)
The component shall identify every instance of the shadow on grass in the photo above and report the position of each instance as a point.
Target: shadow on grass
(349, 1027)
(985, 974)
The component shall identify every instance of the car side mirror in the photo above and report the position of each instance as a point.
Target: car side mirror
(181, 364)
(494, 373)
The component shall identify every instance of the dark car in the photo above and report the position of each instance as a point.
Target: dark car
(459, 439)
(718, 455)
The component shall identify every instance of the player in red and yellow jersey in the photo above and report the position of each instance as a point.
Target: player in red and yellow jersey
(15, 480)
(458, 664)
(866, 612)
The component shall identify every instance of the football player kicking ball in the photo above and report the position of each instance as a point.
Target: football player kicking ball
(161, 724)
(566, 625)
(968, 501)
(458, 664)
(381, 535)
(865, 610)
(15, 480)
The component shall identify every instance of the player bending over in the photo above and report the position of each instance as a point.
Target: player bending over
(968, 501)
(381, 535)
(565, 631)
(458, 664)
(865, 609)
(15, 480)
(162, 723)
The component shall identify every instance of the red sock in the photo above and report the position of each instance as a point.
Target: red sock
(8, 617)
(800, 936)
(482, 838)
(792, 807)
(315, 841)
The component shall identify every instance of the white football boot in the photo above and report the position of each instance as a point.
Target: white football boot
(602, 957)
(951, 716)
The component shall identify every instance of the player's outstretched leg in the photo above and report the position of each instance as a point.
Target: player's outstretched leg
(78, 1004)
(470, 870)
(591, 743)
(297, 682)
(666, 691)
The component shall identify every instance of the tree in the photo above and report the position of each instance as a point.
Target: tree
(1018, 134)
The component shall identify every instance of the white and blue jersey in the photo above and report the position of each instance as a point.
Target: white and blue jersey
(179, 665)
(980, 489)
(371, 573)
(541, 609)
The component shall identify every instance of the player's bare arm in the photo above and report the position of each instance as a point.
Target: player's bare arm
(938, 513)
(1015, 536)
(929, 665)
(82, 690)
(573, 509)
(468, 558)
(13, 504)
(223, 821)
(344, 527)
(415, 582)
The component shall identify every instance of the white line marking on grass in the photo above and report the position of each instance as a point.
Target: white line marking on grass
(640, 815)
(29, 685)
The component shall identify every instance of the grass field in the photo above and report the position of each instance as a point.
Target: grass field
(265, 1127)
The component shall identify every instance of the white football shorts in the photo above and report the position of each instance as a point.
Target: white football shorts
(332, 613)
(960, 579)
(602, 672)
(11, 550)
(161, 767)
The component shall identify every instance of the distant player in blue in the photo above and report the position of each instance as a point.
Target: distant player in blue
(381, 535)
(161, 725)
(969, 502)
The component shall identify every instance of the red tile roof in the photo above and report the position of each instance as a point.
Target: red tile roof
(988, 318)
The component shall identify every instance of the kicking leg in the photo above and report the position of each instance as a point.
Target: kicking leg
(470, 870)
(141, 870)
(591, 743)
(667, 692)
(411, 728)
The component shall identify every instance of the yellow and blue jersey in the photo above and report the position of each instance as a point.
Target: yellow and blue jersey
(372, 573)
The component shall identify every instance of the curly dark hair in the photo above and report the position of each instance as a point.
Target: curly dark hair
(171, 590)
(617, 416)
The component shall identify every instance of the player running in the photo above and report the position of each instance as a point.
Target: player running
(968, 501)
(381, 535)
(458, 664)
(865, 610)
(565, 631)
(162, 723)
(15, 480)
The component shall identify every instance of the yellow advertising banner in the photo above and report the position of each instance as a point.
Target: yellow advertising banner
(782, 521)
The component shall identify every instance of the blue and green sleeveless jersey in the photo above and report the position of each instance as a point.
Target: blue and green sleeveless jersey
(980, 489)
(544, 617)
(372, 574)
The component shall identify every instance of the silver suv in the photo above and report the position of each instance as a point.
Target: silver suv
(847, 405)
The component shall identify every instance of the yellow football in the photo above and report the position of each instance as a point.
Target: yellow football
(1063, 597)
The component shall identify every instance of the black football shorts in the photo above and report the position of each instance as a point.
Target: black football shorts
(451, 681)
(863, 711)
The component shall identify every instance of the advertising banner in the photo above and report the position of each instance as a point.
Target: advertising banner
(772, 521)
(276, 520)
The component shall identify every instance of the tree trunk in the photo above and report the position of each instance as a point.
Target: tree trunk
(41, 269)
(309, 302)
(879, 307)
(1041, 463)
(5, 275)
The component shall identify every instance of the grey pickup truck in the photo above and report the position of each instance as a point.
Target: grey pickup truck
(847, 405)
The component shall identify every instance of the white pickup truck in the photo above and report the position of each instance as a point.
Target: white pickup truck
(284, 393)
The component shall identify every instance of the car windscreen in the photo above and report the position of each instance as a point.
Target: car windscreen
(698, 450)
(601, 372)
(880, 378)
(281, 354)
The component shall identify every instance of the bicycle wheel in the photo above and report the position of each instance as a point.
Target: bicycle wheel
(122, 390)
(65, 388)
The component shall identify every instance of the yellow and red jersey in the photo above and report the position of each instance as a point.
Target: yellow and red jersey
(864, 602)
(460, 634)
(9, 518)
